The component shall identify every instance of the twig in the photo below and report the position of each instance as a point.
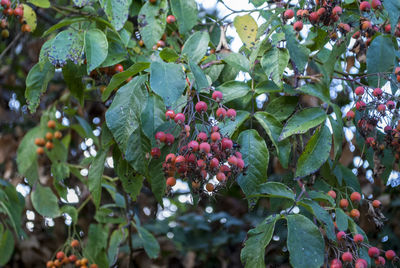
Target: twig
(10, 45)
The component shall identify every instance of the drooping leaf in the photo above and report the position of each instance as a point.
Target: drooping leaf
(345, 174)
(298, 52)
(247, 28)
(117, 11)
(95, 176)
(152, 115)
(275, 189)
(96, 48)
(341, 220)
(156, 178)
(238, 61)
(200, 78)
(167, 80)
(73, 75)
(149, 242)
(96, 243)
(45, 202)
(116, 239)
(152, 20)
(274, 63)
(302, 121)
(185, 12)
(7, 243)
(232, 90)
(305, 243)
(63, 23)
(196, 46)
(131, 182)
(316, 152)
(137, 147)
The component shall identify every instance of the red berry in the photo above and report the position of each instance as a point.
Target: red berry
(160, 43)
(5, 3)
(169, 139)
(179, 118)
(336, 263)
(201, 107)
(365, 6)
(361, 263)
(205, 147)
(350, 115)
(217, 96)
(221, 112)
(355, 197)
(370, 141)
(171, 181)
(191, 158)
(358, 238)
(226, 144)
(344, 27)
(337, 10)
(231, 113)
(377, 92)
(314, 17)
(215, 136)
(60, 255)
(170, 158)
(160, 136)
(18, 12)
(347, 257)
(171, 19)
(376, 203)
(360, 105)
(179, 160)
(169, 114)
(390, 104)
(376, 4)
(321, 11)
(390, 254)
(373, 252)
(221, 176)
(240, 163)
(332, 194)
(202, 136)
(356, 35)
(355, 213)
(214, 163)
(298, 26)
(194, 146)
(155, 152)
(381, 108)
(388, 129)
(289, 13)
(344, 203)
(201, 164)
(118, 68)
(238, 155)
(388, 28)
(359, 91)
(232, 160)
(380, 261)
(72, 258)
(210, 187)
(397, 71)
(215, 129)
(340, 235)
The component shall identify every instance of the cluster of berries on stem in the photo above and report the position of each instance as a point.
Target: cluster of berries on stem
(74, 259)
(46, 141)
(8, 14)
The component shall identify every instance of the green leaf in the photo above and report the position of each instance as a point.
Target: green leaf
(63, 23)
(117, 11)
(97, 241)
(40, 3)
(275, 189)
(253, 253)
(229, 127)
(200, 78)
(149, 242)
(185, 12)
(123, 116)
(82, 3)
(196, 46)
(381, 57)
(152, 115)
(256, 156)
(137, 147)
(119, 78)
(343, 173)
(393, 9)
(274, 63)
(169, 55)
(95, 176)
(341, 219)
(45, 202)
(337, 129)
(318, 91)
(152, 20)
(281, 108)
(247, 28)
(131, 182)
(302, 121)
(60, 171)
(316, 152)
(96, 48)
(238, 61)
(305, 243)
(73, 75)
(167, 80)
(116, 239)
(67, 45)
(267, 86)
(257, 3)
(273, 128)
(232, 90)
(156, 178)
(298, 53)
(7, 244)
(36, 83)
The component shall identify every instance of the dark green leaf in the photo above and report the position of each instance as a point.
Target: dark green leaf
(229, 127)
(152, 20)
(200, 78)
(149, 242)
(117, 11)
(137, 147)
(63, 23)
(282, 107)
(275, 189)
(345, 174)
(169, 55)
(196, 46)
(73, 75)
(238, 61)
(185, 12)
(341, 219)
(7, 243)
(67, 45)
(152, 115)
(116, 239)
(298, 53)
(60, 171)
(96, 48)
(318, 91)
(232, 90)
(274, 63)
(95, 176)
(393, 9)
(45, 202)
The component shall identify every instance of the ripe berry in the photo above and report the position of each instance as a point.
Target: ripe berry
(221, 112)
(226, 144)
(49, 145)
(18, 12)
(171, 181)
(217, 96)
(314, 17)
(347, 257)
(365, 6)
(358, 238)
(377, 92)
(390, 104)
(214, 163)
(169, 139)
(51, 124)
(344, 27)
(340, 235)
(370, 141)
(179, 118)
(74, 243)
(337, 10)
(355, 213)
(390, 255)
(298, 26)
(359, 91)
(58, 135)
(381, 108)
(238, 155)
(240, 163)
(205, 147)
(376, 203)
(72, 258)
(336, 263)
(160, 136)
(40, 142)
(202, 136)
(388, 129)
(360, 105)
(373, 252)
(365, 25)
(376, 4)
(155, 152)
(194, 146)
(60, 255)
(344, 203)
(321, 11)
(93, 265)
(215, 136)
(232, 160)
(388, 28)
(118, 68)
(170, 158)
(5, 3)
(169, 114)
(201, 164)
(361, 263)
(201, 107)
(49, 136)
(356, 35)
(215, 129)
(221, 176)
(350, 115)
(355, 197)
(210, 187)
(231, 113)
(40, 151)
(289, 13)
(380, 261)
(397, 71)
(332, 194)
(171, 19)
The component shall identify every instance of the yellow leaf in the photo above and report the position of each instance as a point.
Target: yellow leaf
(30, 17)
(247, 29)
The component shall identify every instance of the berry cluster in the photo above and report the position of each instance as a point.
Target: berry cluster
(62, 259)
(47, 140)
(346, 249)
(202, 154)
(9, 12)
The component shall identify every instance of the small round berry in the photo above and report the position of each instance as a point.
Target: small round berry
(74, 243)
(397, 71)
(332, 194)
(51, 124)
(377, 92)
(388, 28)
(232, 160)
(288, 14)
(381, 108)
(376, 4)
(49, 145)
(204, 147)
(240, 163)
(350, 115)
(5, 3)
(360, 105)
(171, 19)
(18, 12)
(344, 27)
(169, 139)
(226, 143)
(355, 197)
(314, 17)
(50, 264)
(221, 177)
(365, 25)
(40, 151)
(215, 136)
(344, 203)
(49, 136)
(155, 152)
(171, 181)
(388, 129)
(210, 187)
(359, 91)
(390, 255)
(390, 104)
(380, 261)
(321, 11)
(358, 238)
(215, 129)
(347, 257)
(60, 255)
(373, 252)
(169, 114)
(361, 263)
(93, 265)
(214, 163)
(179, 118)
(340, 235)
(221, 113)
(298, 26)
(365, 6)
(160, 136)
(40, 142)
(337, 10)
(72, 258)
(201, 107)
(194, 146)
(238, 155)
(170, 158)
(118, 68)
(336, 263)
(356, 35)
(376, 203)
(202, 136)
(58, 135)
(231, 113)
(355, 213)
(217, 96)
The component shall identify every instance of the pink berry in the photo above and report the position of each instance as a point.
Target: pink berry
(240, 163)
(373, 252)
(336, 263)
(390, 254)
(204, 147)
(169, 114)
(358, 238)
(390, 104)
(347, 257)
(377, 92)
(340, 235)
(231, 113)
(359, 91)
(160, 136)
(217, 96)
(214, 163)
(376, 4)
(314, 17)
(380, 261)
(221, 113)
(215, 136)
(381, 108)
(202, 136)
(201, 107)
(226, 144)
(232, 160)
(337, 10)
(360, 105)
(155, 152)
(289, 13)
(193, 145)
(365, 6)
(169, 139)
(221, 176)
(388, 129)
(361, 263)
(179, 118)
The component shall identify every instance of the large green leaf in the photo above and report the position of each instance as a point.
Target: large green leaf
(256, 156)
(6, 245)
(298, 52)
(116, 239)
(131, 182)
(380, 58)
(156, 178)
(36, 83)
(169, 55)
(229, 127)
(341, 220)
(393, 9)
(232, 90)
(238, 61)
(200, 78)
(167, 80)
(117, 11)
(273, 128)
(123, 116)
(152, 115)
(137, 147)
(149, 242)
(345, 174)
(45, 202)
(96, 48)
(95, 176)
(152, 20)
(73, 75)
(316, 90)
(96, 244)
(196, 46)
(67, 45)
(275, 189)
(281, 108)
(253, 253)
(274, 63)
(185, 12)
(316, 152)
(302, 121)
(305, 243)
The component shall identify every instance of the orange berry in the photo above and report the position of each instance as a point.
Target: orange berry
(51, 124)
(58, 135)
(49, 136)
(93, 265)
(355, 197)
(344, 203)
(49, 264)
(332, 194)
(376, 203)
(26, 28)
(49, 145)
(355, 213)
(40, 142)
(210, 187)
(60, 255)
(40, 151)
(84, 261)
(74, 243)
(57, 263)
(78, 263)
(171, 181)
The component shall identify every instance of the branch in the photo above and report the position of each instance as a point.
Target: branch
(10, 45)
